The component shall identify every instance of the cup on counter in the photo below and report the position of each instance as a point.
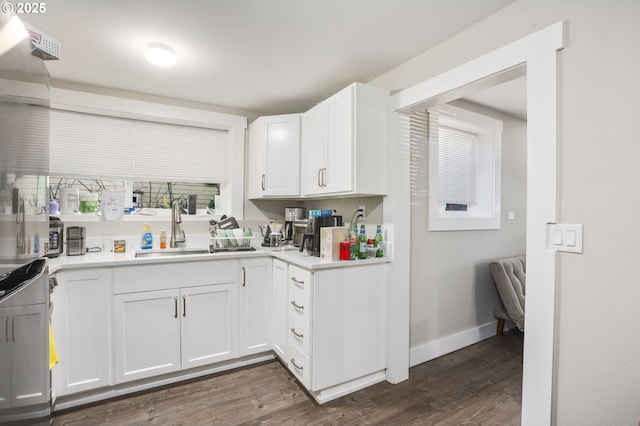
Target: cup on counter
(119, 246)
(107, 243)
(275, 241)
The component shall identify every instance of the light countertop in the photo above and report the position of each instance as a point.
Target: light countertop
(290, 255)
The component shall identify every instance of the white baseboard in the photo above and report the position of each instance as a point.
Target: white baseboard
(451, 343)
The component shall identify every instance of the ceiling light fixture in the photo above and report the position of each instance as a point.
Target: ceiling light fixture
(160, 55)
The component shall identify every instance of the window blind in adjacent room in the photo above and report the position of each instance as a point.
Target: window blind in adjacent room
(457, 154)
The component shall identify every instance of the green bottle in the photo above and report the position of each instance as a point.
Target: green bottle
(378, 242)
(362, 244)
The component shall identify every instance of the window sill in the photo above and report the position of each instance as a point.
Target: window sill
(159, 217)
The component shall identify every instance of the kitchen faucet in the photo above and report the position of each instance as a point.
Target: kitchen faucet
(21, 239)
(176, 220)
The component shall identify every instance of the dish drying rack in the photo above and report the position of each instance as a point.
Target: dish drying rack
(231, 244)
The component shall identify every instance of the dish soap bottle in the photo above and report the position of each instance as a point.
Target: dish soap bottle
(163, 239)
(147, 238)
(36, 241)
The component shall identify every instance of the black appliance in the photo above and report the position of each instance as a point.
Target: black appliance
(292, 215)
(311, 241)
(56, 237)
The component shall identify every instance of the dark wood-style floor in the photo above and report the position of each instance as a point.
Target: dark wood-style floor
(478, 385)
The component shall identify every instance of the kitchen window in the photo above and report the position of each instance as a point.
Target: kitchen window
(464, 169)
(144, 194)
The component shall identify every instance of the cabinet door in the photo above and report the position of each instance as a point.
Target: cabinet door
(280, 309)
(81, 321)
(208, 316)
(314, 133)
(255, 306)
(147, 334)
(337, 176)
(274, 168)
(348, 330)
(5, 358)
(257, 173)
(28, 367)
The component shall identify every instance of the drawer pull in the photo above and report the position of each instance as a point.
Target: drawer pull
(298, 283)
(175, 301)
(299, 367)
(184, 306)
(295, 305)
(295, 333)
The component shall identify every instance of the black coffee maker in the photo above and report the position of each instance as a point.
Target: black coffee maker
(311, 241)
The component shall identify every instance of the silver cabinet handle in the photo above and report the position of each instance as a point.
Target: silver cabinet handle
(320, 178)
(263, 182)
(324, 177)
(299, 283)
(295, 305)
(295, 333)
(244, 277)
(13, 328)
(184, 305)
(175, 302)
(299, 367)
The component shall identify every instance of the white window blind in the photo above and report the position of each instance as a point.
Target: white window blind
(457, 158)
(24, 141)
(90, 145)
(181, 153)
(95, 145)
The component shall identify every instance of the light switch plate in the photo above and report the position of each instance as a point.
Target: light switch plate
(564, 237)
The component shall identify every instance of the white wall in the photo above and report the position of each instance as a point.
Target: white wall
(597, 364)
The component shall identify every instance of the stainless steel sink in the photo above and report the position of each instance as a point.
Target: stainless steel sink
(180, 251)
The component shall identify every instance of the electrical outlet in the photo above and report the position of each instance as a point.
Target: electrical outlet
(363, 212)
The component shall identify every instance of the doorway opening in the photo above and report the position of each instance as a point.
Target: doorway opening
(538, 53)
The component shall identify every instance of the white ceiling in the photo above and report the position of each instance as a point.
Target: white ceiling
(267, 56)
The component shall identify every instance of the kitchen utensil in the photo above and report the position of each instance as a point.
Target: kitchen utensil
(275, 239)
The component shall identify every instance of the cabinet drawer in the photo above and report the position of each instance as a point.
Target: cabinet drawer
(300, 306)
(300, 280)
(299, 333)
(300, 366)
(137, 278)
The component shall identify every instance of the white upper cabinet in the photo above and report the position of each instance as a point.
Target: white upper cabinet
(344, 143)
(274, 156)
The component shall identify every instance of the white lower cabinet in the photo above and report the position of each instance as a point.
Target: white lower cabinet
(81, 321)
(175, 327)
(336, 325)
(23, 371)
(147, 334)
(255, 309)
(208, 324)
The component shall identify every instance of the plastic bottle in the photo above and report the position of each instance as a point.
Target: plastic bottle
(362, 244)
(163, 239)
(378, 242)
(36, 241)
(147, 238)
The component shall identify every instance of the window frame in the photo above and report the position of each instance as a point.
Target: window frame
(486, 213)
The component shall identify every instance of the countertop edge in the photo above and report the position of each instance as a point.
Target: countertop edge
(97, 260)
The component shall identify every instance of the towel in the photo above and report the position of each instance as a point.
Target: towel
(53, 353)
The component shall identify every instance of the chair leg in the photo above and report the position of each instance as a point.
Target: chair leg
(500, 327)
